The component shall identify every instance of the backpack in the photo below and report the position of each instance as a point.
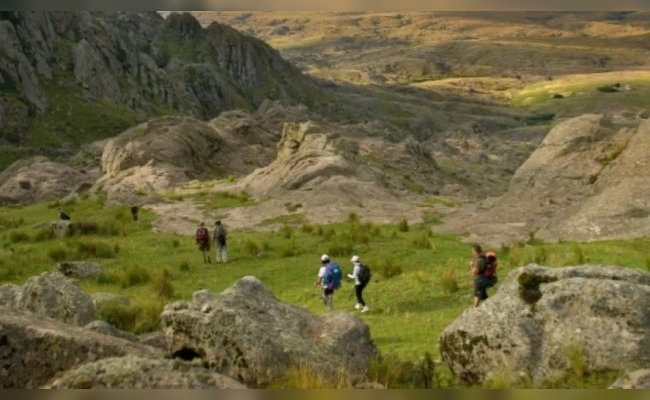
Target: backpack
(202, 234)
(221, 234)
(332, 276)
(364, 274)
(490, 271)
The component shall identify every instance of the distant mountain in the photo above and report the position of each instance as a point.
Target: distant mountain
(68, 78)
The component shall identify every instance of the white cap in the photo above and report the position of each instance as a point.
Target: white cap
(355, 259)
(324, 257)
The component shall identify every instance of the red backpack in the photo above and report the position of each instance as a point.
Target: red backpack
(490, 264)
(202, 234)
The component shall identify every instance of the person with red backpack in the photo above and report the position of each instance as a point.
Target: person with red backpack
(483, 268)
(203, 241)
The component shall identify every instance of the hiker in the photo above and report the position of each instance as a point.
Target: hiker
(134, 212)
(477, 268)
(329, 279)
(361, 276)
(203, 240)
(63, 215)
(219, 240)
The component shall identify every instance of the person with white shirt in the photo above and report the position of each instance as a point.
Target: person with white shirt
(359, 285)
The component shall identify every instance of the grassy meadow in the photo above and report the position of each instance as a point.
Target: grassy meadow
(420, 280)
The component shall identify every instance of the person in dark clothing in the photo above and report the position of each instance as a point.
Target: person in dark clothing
(220, 233)
(358, 284)
(63, 215)
(477, 267)
(134, 212)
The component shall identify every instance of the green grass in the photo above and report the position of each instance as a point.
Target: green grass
(416, 290)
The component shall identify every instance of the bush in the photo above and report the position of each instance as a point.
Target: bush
(19, 237)
(87, 250)
(403, 225)
(388, 269)
(135, 275)
(449, 281)
(57, 254)
(422, 242)
(163, 286)
(82, 228)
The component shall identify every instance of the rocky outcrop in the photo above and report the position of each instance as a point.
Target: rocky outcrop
(248, 334)
(586, 181)
(51, 59)
(639, 379)
(105, 328)
(34, 348)
(541, 319)
(133, 372)
(38, 179)
(79, 269)
(51, 295)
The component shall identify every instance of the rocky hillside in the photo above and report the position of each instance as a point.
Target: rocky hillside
(68, 78)
(587, 180)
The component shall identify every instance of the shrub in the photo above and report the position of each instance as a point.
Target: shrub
(251, 248)
(449, 281)
(319, 231)
(290, 250)
(185, 266)
(403, 225)
(306, 228)
(176, 243)
(19, 237)
(135, 275)
(108, 278)
(163, 286)
(7, 223)
(87, 250)
(57, 254)
(388, 269)
(82, 228)
(329, 233)
(44, 234)
(422, 242)
(286, 231)
(136, 318)
(339, 248)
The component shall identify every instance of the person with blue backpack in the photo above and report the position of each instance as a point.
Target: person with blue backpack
(329, 279)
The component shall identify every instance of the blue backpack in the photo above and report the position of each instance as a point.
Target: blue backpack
(332, 276)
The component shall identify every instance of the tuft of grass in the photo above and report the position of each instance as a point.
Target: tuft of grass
(19, 237)
(403, 225)
(133, 276)
(58, 254)
(163, 286)
(251, 248)
(139, 317)
(388, 268)
(422, 242)
(449, 281)
(304, 376)
(185, 266)
(90, 249)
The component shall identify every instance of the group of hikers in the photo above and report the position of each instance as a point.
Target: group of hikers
(482, 267)
(204, 240)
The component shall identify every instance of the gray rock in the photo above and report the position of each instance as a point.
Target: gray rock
(79, 269)
(105, 328)
(639, 379)
(9, 295)
(99, 298)
(599, 312)
(132, 372)
(154, 339)
(55, 296)
(253, 337)
(33, 348)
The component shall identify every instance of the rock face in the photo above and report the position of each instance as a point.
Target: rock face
(38, 179)
(599, 312)
(51, 295)
(133, 372)
(54, 60)
(586, 181)
(33, 348)
(639, 379)
(246, 333)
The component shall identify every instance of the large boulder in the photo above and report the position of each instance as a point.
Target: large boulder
(245, 332)
(542, 320)
(136, 372)
(34, 348)
(51, 294)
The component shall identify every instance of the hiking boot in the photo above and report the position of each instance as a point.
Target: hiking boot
(365, 309)
(357, 306)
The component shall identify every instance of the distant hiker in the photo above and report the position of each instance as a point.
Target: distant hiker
(361, 276)
(329, 279)
(134, 212)
(63, 215)
(483, 272)
(203, 240)
(219, 240)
